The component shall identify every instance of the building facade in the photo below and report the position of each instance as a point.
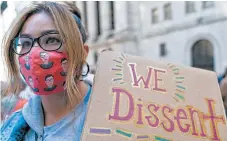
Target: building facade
(111, 25)
(188, 33)
(191, 33)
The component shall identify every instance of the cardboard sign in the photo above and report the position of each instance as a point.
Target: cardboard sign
(135, 98)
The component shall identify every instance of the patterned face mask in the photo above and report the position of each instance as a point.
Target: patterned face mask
(45, 72)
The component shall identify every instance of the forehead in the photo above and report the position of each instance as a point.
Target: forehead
(50, 77)
(38, 23)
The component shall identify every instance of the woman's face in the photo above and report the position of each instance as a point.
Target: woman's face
(37, 25)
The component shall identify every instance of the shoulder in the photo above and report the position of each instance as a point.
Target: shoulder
(14, 127)
(11, 120)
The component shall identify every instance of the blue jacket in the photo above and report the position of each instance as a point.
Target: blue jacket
(16, 127)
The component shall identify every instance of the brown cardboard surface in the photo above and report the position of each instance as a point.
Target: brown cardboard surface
(170, 103)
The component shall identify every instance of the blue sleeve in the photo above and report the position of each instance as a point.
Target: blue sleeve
(14, 128)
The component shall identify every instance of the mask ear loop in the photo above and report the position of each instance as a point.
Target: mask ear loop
(85, 74)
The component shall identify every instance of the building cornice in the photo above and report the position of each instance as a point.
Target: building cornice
(200, 21)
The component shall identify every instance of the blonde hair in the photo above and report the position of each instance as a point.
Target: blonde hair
(67, 27)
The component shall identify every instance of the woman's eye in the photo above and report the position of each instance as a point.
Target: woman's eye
(26, 44)
(52, 40)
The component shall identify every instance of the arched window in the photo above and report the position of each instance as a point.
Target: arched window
(203, 55)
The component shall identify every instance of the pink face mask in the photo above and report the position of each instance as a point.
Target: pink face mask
(45, 72)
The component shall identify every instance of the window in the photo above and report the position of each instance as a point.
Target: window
(167, 12)
(112, 15)
(163, 51)
(3, 6)
(85, 14)
(189, 7)
(95, 57)
(203, 55)
(207, 4)
(154, 15)
(98, 18)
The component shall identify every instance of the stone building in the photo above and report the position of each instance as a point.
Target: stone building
(188, 33)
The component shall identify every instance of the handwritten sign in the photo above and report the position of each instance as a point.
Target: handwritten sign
(134, 98)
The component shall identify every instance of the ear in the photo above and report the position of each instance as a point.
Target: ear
(86, 48)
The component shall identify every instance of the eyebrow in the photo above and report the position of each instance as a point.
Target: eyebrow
(42, 33)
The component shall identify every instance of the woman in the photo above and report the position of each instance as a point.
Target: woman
(40, 38)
